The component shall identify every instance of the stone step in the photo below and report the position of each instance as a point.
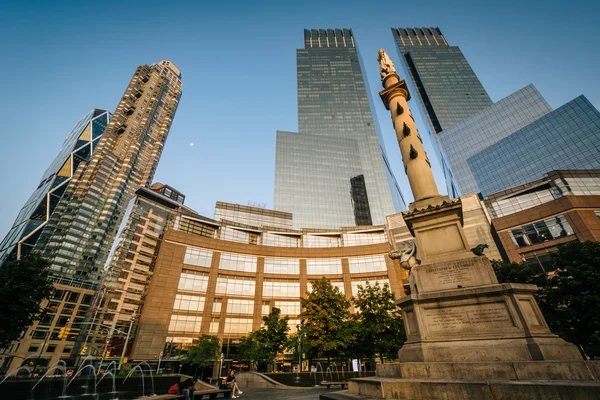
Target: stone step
(447, 389)
(498, 370)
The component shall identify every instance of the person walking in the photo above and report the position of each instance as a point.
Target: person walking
(232, 384)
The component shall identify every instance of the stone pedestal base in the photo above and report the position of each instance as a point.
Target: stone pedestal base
(500, 322)
(525, 380)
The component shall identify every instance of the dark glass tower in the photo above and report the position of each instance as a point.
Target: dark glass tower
(447, 88)
(334, 171)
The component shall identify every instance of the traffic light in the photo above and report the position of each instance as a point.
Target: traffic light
(107, 354)
(83, 351)
(64, 332)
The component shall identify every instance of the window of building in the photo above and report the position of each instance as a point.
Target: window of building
(231, 286)
(189, 303)
(39, 334)
(367, 264)
(193, 282)
(46, 319)
(372, 282)
(280, 240)
(214, 326)
(323, 266)
(51, 348)
(68, 309)
(293, 324)
(62, 321)
(34, 347)
(597, 212)
(237, 262)
(199, 257)
(73, 297)
(288, 307)
(87, 299)
(239, 326)
(240, 306)
(185, 323)
(541, 231)
(363, 238)
(265, 308)
(321, 241)
(282, 266)
(217, 306)
(58, 294)
(67, 350)
(337, 284)
(281, 289)
(52, 306)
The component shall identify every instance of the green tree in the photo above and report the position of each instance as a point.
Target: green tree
(23, 285)
(326, 321)
(263, 345)
(518, 273)
(571, 299)
(250, 349)
(379, 320)
(203, 352)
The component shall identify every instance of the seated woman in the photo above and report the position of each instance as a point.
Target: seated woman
(232, 384)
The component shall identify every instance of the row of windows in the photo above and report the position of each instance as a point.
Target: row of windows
(541, 231)
(236, 262)
(199, 257)
(282, 266)
(324, 266)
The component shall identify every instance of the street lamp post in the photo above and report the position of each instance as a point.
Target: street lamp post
(126, 341)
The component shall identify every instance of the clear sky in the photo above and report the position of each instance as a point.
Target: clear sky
(60, 59)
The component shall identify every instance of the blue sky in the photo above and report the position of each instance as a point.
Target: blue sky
(61, 59)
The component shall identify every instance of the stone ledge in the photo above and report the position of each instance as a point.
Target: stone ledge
(447, 389)
(501, 370)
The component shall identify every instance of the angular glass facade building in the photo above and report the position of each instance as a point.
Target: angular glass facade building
(566, 138)
(334, 171)
(78, 148)
(447, 88)
(474, 134)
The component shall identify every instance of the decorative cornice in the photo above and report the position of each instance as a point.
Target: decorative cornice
(395, 90)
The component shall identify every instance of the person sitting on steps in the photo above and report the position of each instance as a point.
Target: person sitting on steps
(232, 384)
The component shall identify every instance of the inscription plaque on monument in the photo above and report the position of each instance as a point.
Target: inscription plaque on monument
(453, 274)
(468, 318)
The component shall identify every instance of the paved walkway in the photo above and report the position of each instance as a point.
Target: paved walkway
(283, 394)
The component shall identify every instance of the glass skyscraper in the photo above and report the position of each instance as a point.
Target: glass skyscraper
(79, 234)
(334, 171)
(78, 148)
(447, 88)
(475, 134)
(566, 138)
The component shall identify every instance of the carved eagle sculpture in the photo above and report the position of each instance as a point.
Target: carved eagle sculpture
(478, 250)
(407, 253)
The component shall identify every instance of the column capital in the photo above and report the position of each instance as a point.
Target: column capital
(395, 89)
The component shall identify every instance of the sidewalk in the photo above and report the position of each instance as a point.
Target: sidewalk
(278, 394)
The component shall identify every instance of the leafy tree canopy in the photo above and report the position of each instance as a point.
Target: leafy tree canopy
(380, 326)
(326, 321)
(204, 351)
(570, 297)
(23, 285)
(518, 273)
(261, 346)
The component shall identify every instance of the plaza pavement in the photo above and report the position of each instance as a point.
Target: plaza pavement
(278, 394)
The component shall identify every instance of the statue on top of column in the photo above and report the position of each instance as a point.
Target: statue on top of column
(386, 66)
